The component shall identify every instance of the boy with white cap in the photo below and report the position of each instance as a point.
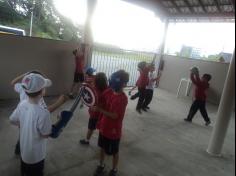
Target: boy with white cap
(17, 84)
(34, 123)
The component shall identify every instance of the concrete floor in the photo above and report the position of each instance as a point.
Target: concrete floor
(158, 143)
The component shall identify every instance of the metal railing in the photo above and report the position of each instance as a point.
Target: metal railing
(109, 60)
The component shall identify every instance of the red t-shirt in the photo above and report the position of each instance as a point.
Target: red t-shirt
(115, 103)
(143, 79)
(79, 64)
(200, 88)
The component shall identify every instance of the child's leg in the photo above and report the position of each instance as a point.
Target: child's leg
(193, 110)
(204, 111)
(148, 99)
(115, 161)
(91, 127)
(102, 157)
(141, 99)
(89, 134)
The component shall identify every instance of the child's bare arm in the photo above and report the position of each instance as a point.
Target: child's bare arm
(17, 79)
(60, 101)
(106, 113)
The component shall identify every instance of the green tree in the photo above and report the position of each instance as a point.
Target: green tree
(48, 22)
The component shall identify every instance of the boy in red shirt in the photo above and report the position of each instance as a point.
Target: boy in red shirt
(79, 69)
(142, 83)
(202, 85)
(100, 85)
(110, 124)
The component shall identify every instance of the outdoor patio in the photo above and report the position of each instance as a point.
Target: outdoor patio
(157, 143)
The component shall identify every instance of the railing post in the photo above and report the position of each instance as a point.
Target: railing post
(88, 37)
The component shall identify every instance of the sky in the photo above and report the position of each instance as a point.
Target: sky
(131, 27)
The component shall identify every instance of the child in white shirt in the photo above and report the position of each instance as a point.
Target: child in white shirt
(34, 123)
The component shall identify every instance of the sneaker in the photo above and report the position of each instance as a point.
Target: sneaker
(132, 98)
(139, 111)
(99, 171)
(147, 107)
(208, 123)
(144, 109)
(71, 96)
(113, 172)
(81, 106)
(84, 142)
(187, 120)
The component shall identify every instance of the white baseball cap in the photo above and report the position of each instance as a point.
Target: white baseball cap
(33, 83)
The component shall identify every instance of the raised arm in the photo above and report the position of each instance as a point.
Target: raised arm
(195, 79)
(17, 79)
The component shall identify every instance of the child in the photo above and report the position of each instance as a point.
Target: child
(150, 87)
(79, 69)
(100, 85)
(35, 125)
(112, 115)
(17, 84)
(202, 85)
(142, 84)
(89, 76)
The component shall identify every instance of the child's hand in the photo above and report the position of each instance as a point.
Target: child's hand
(95, 108)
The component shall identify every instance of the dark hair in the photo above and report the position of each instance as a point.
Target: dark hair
(124, 76)
(142, 65)
(101, 81)
(74, 52)
(33, 95)
(208, 77)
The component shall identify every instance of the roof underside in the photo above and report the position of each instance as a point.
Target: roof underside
(191, 10)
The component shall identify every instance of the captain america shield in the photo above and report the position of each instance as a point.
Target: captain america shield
(89, 96)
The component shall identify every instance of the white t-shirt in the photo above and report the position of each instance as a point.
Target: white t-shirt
(34, 121)
(151, 84)
(23, 96)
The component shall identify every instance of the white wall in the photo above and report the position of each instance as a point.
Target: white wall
(21, 54)
(54, 58)
(177, 68)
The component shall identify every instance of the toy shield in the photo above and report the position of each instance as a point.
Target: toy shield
(89, 96)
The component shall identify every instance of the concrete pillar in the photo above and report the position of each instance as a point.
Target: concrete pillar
(224, 113)
(163, 43)
(88, 37)
(162, 51)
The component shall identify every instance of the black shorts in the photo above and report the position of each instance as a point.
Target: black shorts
(92, 125)
(32, 169)
(78, 77)
(111, 147)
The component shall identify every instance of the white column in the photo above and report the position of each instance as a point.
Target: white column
(88, 37)
(163, 43)
(162, 50)
(224, 113)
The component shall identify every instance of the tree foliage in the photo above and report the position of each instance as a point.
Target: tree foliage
(48, 22)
